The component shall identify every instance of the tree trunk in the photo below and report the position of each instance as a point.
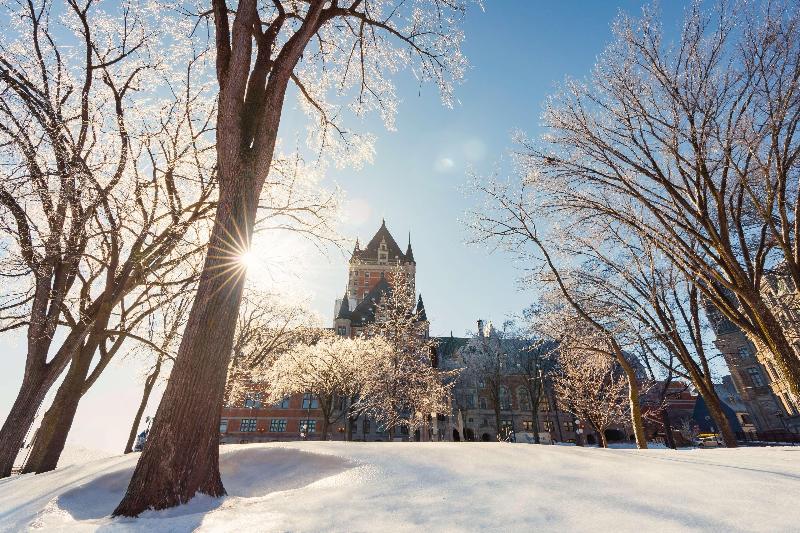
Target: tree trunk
(601, 436)
(32, 392)
(633, 397)
(718, 415)
(149, 383)
(181, 456)
(325, 425)
(669, 438)
(535, 417)
(57, 421)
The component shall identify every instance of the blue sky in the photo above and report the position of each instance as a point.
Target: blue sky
(519, 52)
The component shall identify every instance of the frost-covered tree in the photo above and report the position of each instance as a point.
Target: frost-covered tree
(269, 325)
(403, 388)
(488, 367)
(324, 48)
(333, 369)
(590, 384)
(106, 182)
(692, 145)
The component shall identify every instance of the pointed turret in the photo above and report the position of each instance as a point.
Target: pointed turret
(344, 309)
(421, 315)
(409, 251)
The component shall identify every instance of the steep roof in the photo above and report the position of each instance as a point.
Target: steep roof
(421, 315)
(344, 309)
(370, 252)
(365, 311)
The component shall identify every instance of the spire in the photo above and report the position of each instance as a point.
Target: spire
(357, 245)
(344, 309)
(409, 251)
(421, 315)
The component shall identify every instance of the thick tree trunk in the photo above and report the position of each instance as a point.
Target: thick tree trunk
(181, 456)
(57, 421)
(35, 385)
(774, 337)
(633, 397)
(149, 383)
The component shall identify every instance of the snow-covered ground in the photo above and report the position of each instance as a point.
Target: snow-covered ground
(314, 486)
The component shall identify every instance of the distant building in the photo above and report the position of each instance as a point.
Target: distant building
(299, 417)
(473, 414)
(760, 387)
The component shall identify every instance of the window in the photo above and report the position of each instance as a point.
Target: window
(310, 401)
(470, 401)
(277, 425)
(523, 399)
(744, 352)
(252, 400)
(283, 404)
(308, 426)
(544, 405)
(482, 403)
(755, 376)
(569, 425)
(223, 425)
(247, 425)
(527, 425)
(506, 425)
(342, 331)
(549, 426)
(366, 426)
(505, 399)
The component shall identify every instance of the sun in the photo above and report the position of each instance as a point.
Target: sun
(248, 260)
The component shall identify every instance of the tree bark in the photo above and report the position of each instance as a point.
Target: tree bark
(601, 435)
(57, 421)
(669, 438)
(714, 405)
(149, 383)
(181, 456)
(31, 394)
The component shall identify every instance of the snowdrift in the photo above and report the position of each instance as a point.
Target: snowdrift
(315, 486)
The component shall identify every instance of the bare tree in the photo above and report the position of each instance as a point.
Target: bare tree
(332, 370)
(509, 218)
(534, 362)
(89, 225)
(662, 307)
(488, 364)
(161, 342)
(269, 325)
(695, 148)
(260, 50)
(590, 383)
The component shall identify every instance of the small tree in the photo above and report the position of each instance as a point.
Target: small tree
(403, 388)
(332, 369)
(488, 365)
(592, 387)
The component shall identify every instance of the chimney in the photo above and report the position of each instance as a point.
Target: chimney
(480, 327)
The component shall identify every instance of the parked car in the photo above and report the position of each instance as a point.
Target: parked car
(708, 441)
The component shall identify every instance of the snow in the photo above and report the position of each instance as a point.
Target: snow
(339, 486)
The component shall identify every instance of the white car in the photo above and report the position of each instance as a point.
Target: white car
(708, 442)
